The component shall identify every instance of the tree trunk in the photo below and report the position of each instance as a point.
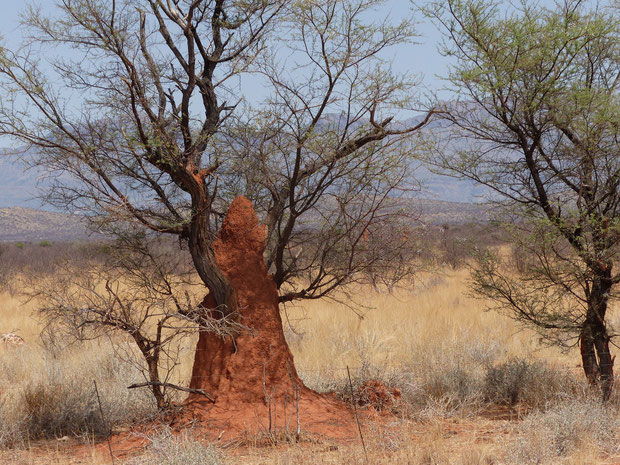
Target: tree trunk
(596, 357)
(153, 365)
(201, 250)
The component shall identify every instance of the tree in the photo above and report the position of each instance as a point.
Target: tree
(143, 116)
(324, 168)
(141, 288)
(539, 126)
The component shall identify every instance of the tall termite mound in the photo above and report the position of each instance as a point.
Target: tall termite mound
(253, 380)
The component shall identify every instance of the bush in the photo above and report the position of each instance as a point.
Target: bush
(445, 379)
(53, 396)
(45, 244)
(458, 379)
(167, 449)
(533, 384)
(543, 437)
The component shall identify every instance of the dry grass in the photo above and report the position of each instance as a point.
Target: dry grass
(46, 395)
(433, 342)
(434, 314)
(448, 356)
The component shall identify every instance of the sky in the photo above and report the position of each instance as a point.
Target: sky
(421, 58)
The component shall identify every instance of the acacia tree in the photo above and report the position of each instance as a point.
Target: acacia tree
(321, 159)
(143, 116)
(538, 125)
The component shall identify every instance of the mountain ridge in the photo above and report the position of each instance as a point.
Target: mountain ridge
(24, 224)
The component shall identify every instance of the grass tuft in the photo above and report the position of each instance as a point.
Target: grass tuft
(165, 448)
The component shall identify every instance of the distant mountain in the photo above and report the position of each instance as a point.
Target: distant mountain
(19, 224)
(440, 212)
(442, 199)
(18, 186)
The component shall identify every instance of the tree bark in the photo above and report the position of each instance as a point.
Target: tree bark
(596, 357)
(156, 385)
(203, 256)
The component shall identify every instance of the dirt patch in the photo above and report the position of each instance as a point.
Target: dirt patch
(376, 394)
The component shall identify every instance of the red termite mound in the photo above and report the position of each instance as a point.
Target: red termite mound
(254, 382)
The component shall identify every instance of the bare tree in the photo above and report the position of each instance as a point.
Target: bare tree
(539, 127)
(142, 115)
(143, 290)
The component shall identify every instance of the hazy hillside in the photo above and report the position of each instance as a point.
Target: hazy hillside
(26, 224)
(19, 188)
(440, 212)
(445, 200)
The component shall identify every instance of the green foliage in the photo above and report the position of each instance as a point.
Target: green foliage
(538, 123)
(45, 244)
(20, 245)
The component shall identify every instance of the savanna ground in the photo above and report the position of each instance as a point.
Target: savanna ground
(476, 389)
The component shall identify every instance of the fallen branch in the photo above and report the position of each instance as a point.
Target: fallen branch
(172, 386)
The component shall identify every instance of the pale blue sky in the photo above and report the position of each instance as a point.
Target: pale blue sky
(422, 58)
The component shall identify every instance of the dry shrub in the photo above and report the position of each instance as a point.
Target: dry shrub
(564, 429)
(183, 449)
(529, 383)
(455, 378)
(25, 258)
(452, 368)
(46, 396)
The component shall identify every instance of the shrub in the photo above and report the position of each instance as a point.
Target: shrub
(167, 449)
(45, 244)
(530, 383)
(543, 437)
(53, 395)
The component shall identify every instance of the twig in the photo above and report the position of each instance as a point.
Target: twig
(267, 396)
(297, 409)
(297, 395)
(172, 386)
(104, 422)
(359, 427)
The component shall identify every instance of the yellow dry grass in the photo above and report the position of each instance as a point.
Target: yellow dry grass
(18, 316)
(395, 328)
(434, 314)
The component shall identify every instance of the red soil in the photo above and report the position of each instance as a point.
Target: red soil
(376, 394)
(255, 384)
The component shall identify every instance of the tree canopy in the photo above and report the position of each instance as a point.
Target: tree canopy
(538, 124)
(146, 118)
